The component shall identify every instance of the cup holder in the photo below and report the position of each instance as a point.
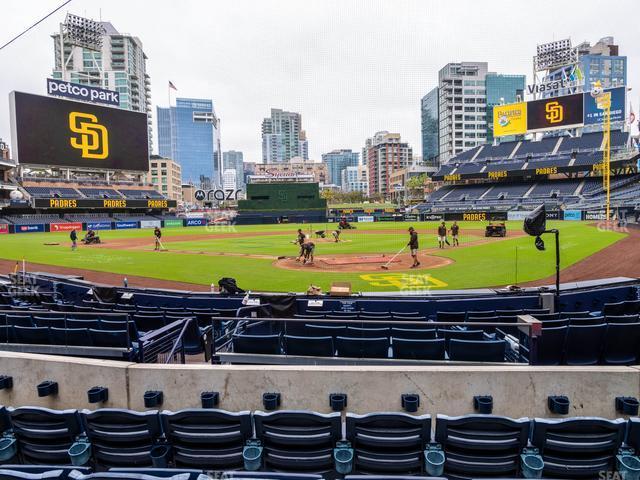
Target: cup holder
(8, 448)
(271, 400)
(410, 402)
(80, 453)
(6, 382)
(627, 405)
(343, 458)
(434, 459)
(210, 399)
(98, 394)
(153, 398)
(160, 456)
(532, 465)
(558, 404)
(252, 455)
(48, 387)
(483, 404)
(338, 401)
(629, 466)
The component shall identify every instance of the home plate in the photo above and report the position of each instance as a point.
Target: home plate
(357, 260)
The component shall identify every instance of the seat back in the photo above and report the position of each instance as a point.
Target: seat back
(460, 335)
(482, 445)
(388, 443)
(584, 344)
(207, 438)
(44, 435)
(621, 344)
(551, 345)
(312, 346)
(578, 447)
(617, 308)
(362, 347)
(110, 338)
(632, 307)
(318, 330)
(417, 349)
(264, 344)
(121, 438)
(358, 332)
(415, 333)
(298, 440)
(477, 350)
(32, 335)
(451, 316)
(71, 336)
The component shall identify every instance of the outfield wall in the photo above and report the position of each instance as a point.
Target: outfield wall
(517, 390)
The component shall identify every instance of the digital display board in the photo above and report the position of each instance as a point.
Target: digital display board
(510, 119)
(54, 132)
(555, 113)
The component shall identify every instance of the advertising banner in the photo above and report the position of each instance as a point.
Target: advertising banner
(432, 217)
(365, 218)
(29, 228)
(64, 133)
(595, 215)
(150, 223)
(573, 215)
(555, 113)
(517, 215)
(125, 225)
(64, 227)
(510, 119)
(4, 228)
(593, 115)
(411, 217)
(476, 216)
(108, 203)
(98, 225)
(553, 215)
(84, 93)
(173, 223)
(195, 222)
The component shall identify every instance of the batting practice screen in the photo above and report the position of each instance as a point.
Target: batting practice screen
(63, 133)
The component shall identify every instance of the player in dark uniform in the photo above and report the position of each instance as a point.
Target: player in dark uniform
(308, 248)
(455, 230)
(442, 235)
(74, 239)
(157, 233)
(300, 241)
(413, 246)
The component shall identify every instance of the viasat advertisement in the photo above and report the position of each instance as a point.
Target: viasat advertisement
(510, 119)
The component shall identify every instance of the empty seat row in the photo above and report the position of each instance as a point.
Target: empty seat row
(460, 345)
(306, 442)
(88, 337)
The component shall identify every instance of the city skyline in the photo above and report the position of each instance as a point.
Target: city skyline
(345, 81)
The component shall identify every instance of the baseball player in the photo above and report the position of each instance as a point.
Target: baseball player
(413, 246)
(442, 235)
(455, 230)
(300, 241)
(157, 234)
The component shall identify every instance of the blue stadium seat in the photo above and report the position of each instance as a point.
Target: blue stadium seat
(357, 332)
(482, 446)
(362, 347)
(39, 472)
(326, 330)
(44, 435)
(477, 351)
(551, 345)
(6, 334)
(209, 439)
(578, 447)
(236, 475)
(621, 344)
(632, 307)
(623, 319)
(49, 322)
(110, 338)
(71, 336)
(147, 323)
(388, 443)
(297, 441)
(263, 344)
(32, 335)
(459, 335)
(451, 316)
(312, 346)
(19, 320)
(414, 349)
(121, 438)
(583, 344)
(415, 333)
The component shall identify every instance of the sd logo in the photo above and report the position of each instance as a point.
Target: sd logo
(92, 138)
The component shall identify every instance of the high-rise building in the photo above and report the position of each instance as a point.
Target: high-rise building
(430, 140)
(463, 118)
(165, 175)
(189, 133)
(384, 153)
(283, 137)
(229, 179)
(502, 89)
(338, 160)
(120, 66)
(354, 179)
(233, 160)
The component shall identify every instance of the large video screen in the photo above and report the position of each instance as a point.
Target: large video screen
(54, 132)
(555, 113)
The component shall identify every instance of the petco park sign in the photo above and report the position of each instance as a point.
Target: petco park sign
(84, 93)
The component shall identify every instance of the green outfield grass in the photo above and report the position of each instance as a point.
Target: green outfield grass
(474, 266)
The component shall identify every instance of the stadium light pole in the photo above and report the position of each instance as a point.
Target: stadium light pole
(535, 224)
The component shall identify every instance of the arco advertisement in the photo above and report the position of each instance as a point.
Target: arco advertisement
(195, 222)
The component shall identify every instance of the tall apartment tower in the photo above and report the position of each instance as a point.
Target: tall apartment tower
(337, 161)
(120, 66)
(385, 153)
(283, 137)
(234, 160)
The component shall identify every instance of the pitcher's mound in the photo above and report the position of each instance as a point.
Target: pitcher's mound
(362, 263)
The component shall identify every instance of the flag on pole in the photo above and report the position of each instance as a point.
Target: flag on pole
(632, 114)
(171, 85)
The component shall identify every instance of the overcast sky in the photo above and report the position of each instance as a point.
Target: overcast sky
(350, 67)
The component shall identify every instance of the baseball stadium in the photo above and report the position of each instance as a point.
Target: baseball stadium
(481, 322)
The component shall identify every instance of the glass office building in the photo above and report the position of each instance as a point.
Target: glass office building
(429, 115)
(189, 134)
(337, 161)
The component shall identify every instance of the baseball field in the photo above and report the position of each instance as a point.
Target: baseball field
(263, 257)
